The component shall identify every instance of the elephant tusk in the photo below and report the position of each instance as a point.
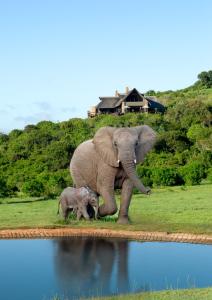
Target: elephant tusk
(96, 212)
(118, 161)
(135, 161)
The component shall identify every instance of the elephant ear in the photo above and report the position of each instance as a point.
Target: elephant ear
(146, 141)
(103, 141)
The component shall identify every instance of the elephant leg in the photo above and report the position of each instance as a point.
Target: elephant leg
(109, 206)
(79, 214)
(65, 213)
(126, 194)
(85, 213)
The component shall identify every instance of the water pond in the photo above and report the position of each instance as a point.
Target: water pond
(82, 267)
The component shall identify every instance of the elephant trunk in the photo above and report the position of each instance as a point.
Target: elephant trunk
(129, 167)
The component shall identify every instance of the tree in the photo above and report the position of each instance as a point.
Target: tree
(150, 93)
(206, 78)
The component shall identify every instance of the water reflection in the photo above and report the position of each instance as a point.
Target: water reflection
(85, 267)
(88, 266)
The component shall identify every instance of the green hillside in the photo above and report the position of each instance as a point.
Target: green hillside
(35, 161)
(201, 91)
(170, 98)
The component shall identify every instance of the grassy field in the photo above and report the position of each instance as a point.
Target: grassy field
(174, 209)
(193, 294)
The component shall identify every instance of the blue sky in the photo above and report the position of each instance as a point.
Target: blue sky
(58, 57)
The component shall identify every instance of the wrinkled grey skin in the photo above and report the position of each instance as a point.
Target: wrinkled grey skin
(108, 162)
(77, 200)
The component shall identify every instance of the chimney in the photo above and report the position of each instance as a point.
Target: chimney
(126, 90)
(116, 93)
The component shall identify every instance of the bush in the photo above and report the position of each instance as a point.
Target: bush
(192, 173)
(159, 176)
(145, 175)
(55, 182)
(33, 187)
(54, 186)
(209, 175)
(166, 177)
(4, 191)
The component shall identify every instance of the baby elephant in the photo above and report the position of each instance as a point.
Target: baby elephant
(77, 200)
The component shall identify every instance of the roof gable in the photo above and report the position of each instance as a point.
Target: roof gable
(131, 92)
(126, 96)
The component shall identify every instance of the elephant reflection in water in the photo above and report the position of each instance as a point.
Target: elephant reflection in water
(86, 266)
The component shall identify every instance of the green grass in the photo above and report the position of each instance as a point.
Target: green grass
(192, 294)
(170, 209)
(174, 209)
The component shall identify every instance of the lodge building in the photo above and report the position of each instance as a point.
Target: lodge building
(130, 101)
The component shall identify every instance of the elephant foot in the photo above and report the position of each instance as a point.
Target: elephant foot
(148, 191)
(123, 220)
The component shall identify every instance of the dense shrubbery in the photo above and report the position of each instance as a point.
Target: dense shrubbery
(35, 161)
(192, 173)
(165, 176)
(205, 78)
(209, 175)
(145, 174)
(4, 190)
(33, 187)
(160, 176)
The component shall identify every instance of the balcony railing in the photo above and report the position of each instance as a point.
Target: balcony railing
(138, 103)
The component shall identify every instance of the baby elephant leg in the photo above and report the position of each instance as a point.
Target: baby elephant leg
(79, 214)
(65, 213)
(84, 212)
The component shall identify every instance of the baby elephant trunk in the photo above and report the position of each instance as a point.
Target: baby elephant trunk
(96, 208)
(93, 200)
(95, 205)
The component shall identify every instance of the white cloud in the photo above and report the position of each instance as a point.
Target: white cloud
(10, 107)
(18, 116)
(35, 118)
(71, 109)
(3, 112)
(43, 105)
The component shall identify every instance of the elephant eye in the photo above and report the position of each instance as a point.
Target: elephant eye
(136, 143)
(115, 144)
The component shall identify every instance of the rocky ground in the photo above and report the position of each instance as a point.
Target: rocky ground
(134, 235)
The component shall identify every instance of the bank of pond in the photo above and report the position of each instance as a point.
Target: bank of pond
(75, 267)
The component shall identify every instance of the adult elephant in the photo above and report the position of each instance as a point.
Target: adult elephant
(108, 161)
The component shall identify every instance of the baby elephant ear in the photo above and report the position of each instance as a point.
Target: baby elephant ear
(146, 141)
(103, 141)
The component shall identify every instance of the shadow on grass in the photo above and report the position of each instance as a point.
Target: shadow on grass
(23, 201)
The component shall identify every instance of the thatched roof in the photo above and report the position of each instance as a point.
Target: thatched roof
(107, 102)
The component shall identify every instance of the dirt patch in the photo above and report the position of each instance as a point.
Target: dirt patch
(134, 235)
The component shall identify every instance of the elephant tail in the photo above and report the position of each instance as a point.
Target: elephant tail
(58, 209)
